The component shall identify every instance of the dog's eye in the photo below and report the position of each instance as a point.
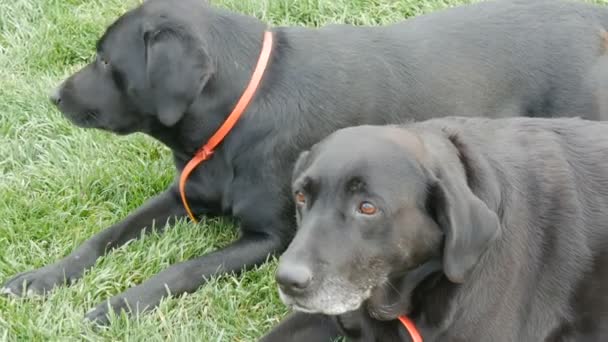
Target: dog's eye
(300, 198)
(367, 208)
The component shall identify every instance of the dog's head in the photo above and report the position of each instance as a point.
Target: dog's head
(370, 208)
(148, 69)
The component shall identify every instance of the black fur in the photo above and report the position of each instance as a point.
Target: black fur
(173, 69)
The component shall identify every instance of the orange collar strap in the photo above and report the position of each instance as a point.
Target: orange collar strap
(411, 328)
(206, 151)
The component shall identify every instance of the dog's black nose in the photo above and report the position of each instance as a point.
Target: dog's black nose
(55, 96)
(293, 278)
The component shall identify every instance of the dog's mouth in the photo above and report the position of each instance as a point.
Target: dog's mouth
(92, 120)
(294, 305)
(86, 119)
(329, 300)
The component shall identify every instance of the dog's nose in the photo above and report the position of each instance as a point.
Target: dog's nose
(293, 278)
(55, 96)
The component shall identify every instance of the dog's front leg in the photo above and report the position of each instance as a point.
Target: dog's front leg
(249, 250)
(304, 327)
(160, 210)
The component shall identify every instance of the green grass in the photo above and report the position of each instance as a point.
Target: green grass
(59, 184)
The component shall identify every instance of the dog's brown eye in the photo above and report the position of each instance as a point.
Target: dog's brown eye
(300, 198)
(367, 208)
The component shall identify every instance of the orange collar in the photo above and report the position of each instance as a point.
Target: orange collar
(411, 328)
(206, 151)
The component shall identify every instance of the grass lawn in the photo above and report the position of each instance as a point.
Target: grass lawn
(59, 184)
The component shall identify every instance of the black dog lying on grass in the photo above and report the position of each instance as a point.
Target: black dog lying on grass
(173, 69)
(478, 229)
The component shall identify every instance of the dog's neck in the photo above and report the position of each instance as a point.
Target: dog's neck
(394, 298)
(233, 42)
(423, 294)
(410, 294)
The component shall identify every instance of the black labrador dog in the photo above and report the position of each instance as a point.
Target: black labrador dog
(478, 229)
(173, 69)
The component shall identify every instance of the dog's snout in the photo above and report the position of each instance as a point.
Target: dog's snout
(293, 278)
(55, 95)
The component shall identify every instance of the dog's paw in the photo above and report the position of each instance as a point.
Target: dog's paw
(134, 301)
(100, 315)
(34, 283)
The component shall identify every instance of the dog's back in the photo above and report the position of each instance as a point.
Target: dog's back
(551, 262)
(561, 45)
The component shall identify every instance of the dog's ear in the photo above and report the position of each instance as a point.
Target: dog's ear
(468, 224)
(177, 69)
